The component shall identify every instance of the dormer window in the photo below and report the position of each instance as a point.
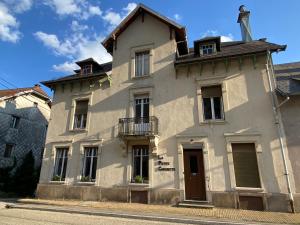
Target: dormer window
(86, 69)
(207, 49)
(207, 46)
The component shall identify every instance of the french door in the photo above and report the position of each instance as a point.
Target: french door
(141, 114)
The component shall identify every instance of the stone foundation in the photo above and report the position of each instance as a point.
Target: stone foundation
(95, 193)
(271, 202)
(274, 202)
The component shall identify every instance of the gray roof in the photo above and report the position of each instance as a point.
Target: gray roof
(231, 49)
(288, 78)
(101, 71)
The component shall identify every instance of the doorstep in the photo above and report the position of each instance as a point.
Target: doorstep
(195, 204)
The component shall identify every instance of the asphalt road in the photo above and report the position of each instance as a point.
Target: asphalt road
(33, 217)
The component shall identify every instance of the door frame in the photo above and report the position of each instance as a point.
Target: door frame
(193, 142)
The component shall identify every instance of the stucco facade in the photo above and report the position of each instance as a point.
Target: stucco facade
(288, 86)
(175, 99)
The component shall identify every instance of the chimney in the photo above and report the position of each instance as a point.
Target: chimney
(243, 20)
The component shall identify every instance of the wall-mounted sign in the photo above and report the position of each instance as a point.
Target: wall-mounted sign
(162, 164)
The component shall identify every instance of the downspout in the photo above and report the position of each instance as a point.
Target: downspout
(280, 133)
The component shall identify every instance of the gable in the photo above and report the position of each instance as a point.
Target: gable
(141, 10)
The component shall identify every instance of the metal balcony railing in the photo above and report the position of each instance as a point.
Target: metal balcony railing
(138, 126)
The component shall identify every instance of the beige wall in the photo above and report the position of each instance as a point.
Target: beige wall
(290, 112)
(176, 102)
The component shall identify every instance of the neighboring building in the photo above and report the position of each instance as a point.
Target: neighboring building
(24, 116)
(288, 89)
(163, 123)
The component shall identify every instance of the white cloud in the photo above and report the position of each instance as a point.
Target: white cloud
(65, 7)
(50, 40)
(114, 18)
(227, 38)
(95, 10)
(19, 6)
(81, 9)
(75, 26)
(8, 25)
(224, 38)
(66, 67)
(130, 7)
(75, 47)
(80, 45)
(177, 17)
(64, 48)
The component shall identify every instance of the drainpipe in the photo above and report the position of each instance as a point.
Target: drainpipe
(280, 133)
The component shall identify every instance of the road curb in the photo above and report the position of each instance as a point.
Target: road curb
(136, 216)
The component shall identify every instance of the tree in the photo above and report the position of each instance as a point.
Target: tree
(25, 177)
(6, 181)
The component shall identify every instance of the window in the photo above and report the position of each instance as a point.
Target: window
(140, 164)
(207, 49)
(245, 165)
(60, 167)
(8, 150)
(86, 69)
(142, 63)
(142, 109)
(212, 103)
(89, 164)
(193, 164)
(14, 122)
(80, 114)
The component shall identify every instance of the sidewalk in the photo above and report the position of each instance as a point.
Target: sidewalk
(157, 211)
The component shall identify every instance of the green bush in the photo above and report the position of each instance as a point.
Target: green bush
(138, 179)
(56, 178)
(85, 179)
(26, 177)
(6, 178)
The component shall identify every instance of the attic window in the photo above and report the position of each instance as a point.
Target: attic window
(86, 69)
(207, 49)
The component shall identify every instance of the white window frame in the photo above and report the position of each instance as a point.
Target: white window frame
(64, 157)
(143, 101)
(85, 157)
(143, 53)
(205, 47)
(141, 163)
(81, 121)
(87, 69)
(212, 106)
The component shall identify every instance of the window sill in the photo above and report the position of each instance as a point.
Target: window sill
(78, 130)
(56, 182)
(141, 77)
(248, 189)
(84, 183)
(217, 122)
(138, 184)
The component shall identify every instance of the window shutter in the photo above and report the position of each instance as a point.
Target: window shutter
(211, 91)
(245, 165)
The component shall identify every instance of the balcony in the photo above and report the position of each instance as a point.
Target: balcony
(134, 127)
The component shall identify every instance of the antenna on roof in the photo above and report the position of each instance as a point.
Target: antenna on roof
(243, 20)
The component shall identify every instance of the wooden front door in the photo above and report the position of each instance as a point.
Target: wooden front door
(194, 175)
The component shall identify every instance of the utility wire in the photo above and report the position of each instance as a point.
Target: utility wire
(20, 95)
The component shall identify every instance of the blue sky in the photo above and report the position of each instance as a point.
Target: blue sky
(41, 39)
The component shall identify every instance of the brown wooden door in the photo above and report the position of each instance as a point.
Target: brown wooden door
(194, 175)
